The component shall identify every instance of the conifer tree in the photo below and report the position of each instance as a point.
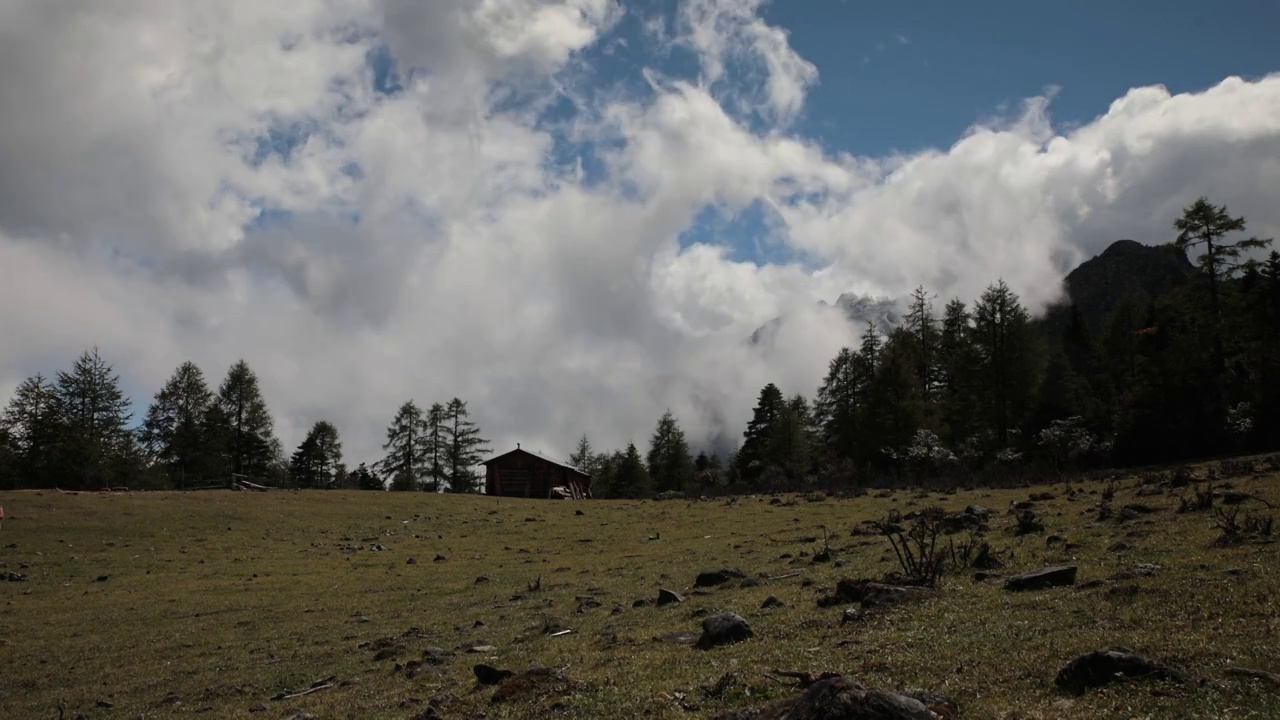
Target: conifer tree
(630, 479)
(670, 467)
(96, 444)
(252, 447)
(366, 479)
(465, 448)
(436, 455)
(406, 462)
(317, 463)
(173, 431)
(757, 453)
(33, 423)
(1008, 360)
(836, 408)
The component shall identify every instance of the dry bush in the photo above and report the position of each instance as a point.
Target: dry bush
(919, 555)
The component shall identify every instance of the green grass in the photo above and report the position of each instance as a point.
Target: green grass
(217, 601)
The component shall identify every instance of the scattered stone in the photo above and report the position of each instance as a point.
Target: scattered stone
(683, 637)
(489, 675)
(1235, 571)
(853, 615)
(479, 649)
(1041, 497)
(644, 602)
(482, 579)
(1119, 546)
(440, 558)
(749, 583)
(1054, 540)
(13, 576)
(1102, 667)
(839, 697)
(586, 603)
(1055, 576)
(1146, 569)
(665, 597)
(411, 561)
(717, 576)
(617, 610)
(869, 594)
(724, 629)
(772, 602)
(534, 683)
(388, 653)
(258, 708)
(986, 559)
(1028, 523)
(435, 655)
(103, 578)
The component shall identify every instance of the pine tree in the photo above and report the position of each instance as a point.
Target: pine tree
(757, 453)
(836, 409)
(317, 463)
(794, 439)
(957, 370)
(894, 408)
(1205, 225)
(366, 479)
(670, 467)
(252, 447)
(923, 329)
(97, 440)
(630, 479)
(33, 423)
(1007, 357)
(465, 449)
(406, 462)
(173, 431)
(585, 459)
(436, 453)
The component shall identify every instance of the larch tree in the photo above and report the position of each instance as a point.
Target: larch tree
(252, 447)
(465, 449)
(630, 478)
(173, 431)
(757, 453)
(1007, 355)
(406, 462)
(436, 454)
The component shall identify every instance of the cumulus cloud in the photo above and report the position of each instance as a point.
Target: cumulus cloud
(215, 181)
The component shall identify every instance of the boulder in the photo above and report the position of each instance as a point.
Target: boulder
(665, 597)
(717, 576)
(1102, 667)
(1054, 576)
(723, 629)
(871, 594)
(490, 675)
(772, 602)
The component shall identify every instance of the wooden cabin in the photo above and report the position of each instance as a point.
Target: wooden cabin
(522, 473)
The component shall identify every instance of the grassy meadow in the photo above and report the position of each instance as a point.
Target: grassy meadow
(212, 603)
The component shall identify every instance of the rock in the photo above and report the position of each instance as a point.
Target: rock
(717, 576)
(1054, 576)
(644, 602)
(665, 597)
(853, 615)
(839, 698)
(978, 511)
(683, 637)
(440, 558)
(1102, 667)
(1119, 546)
(534, 683)
(986, 559)
(1146, 569)
(411, 561)
(724, 629)
(1028, 523)
(1041, 497)
(13, 577)
(749, 583)
(258, 708)
(435, 655)
(870, 594)
(481, 649)
(772, 602)
(1054, 540)
(586, 603)
(103, 578)
(617, 610)
(490, 675)
(482, 579)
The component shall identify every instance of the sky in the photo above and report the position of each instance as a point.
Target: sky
(572, 214)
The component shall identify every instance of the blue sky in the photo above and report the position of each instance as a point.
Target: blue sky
(914, 74)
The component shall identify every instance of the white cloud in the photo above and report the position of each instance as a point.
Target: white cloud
(133, 169)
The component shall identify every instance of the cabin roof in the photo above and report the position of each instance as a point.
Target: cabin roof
(538, 455)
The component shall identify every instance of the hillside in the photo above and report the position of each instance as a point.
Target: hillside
(173, 604)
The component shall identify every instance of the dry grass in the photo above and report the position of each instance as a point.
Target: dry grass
(218, 601)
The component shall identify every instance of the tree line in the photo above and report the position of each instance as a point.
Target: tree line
(76, 430)
(985, 389)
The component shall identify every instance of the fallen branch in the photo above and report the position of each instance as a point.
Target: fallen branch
(317, 686)
(802, 679)
(1272, 678)
(784, 576)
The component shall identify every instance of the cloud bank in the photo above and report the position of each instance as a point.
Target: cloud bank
(375, 200)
